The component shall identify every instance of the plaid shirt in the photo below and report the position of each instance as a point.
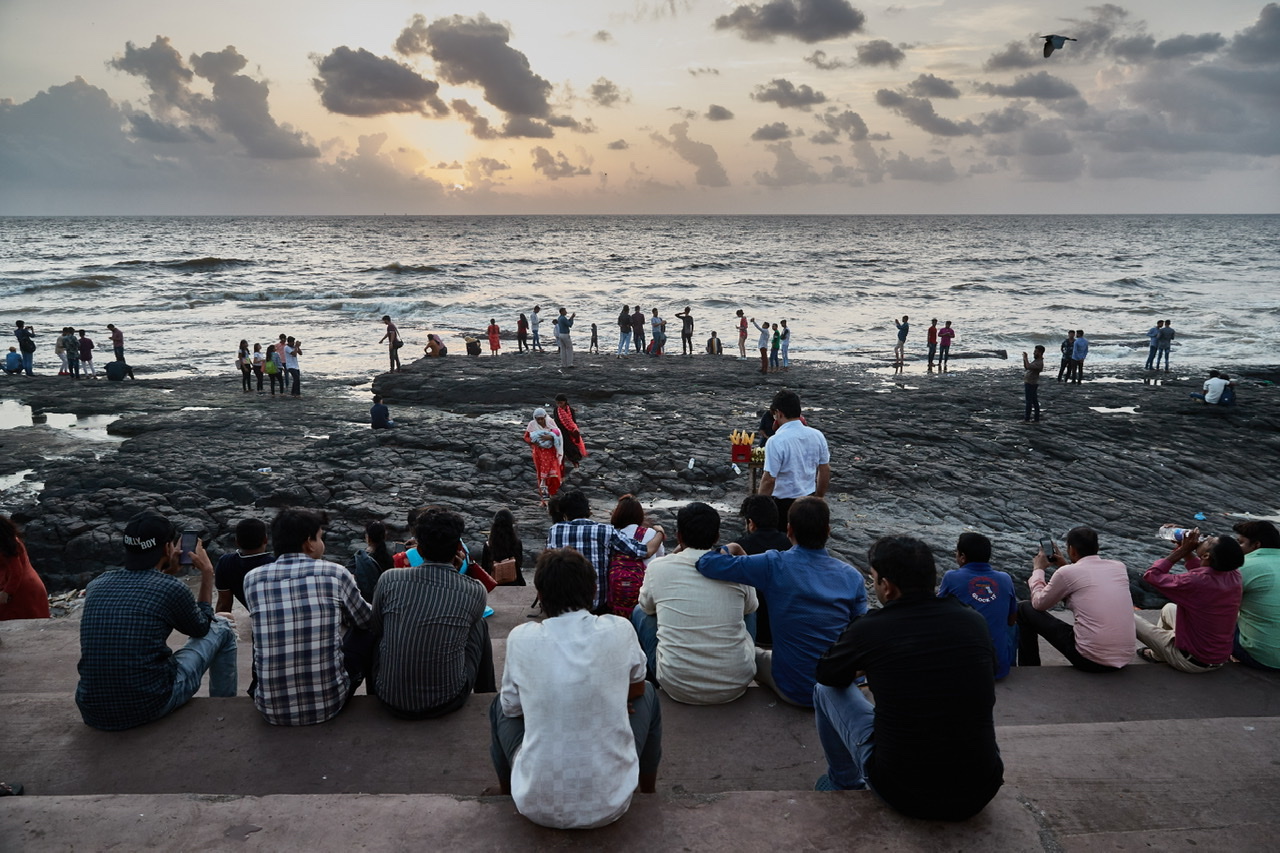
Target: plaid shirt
(596, 542)
(126, 668)
(300, 608)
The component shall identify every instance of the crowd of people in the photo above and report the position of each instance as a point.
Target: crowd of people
(74, 350)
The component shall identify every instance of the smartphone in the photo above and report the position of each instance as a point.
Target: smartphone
(1046, 545)
(190, 538)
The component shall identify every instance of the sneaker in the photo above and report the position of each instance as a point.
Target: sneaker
(824, 783)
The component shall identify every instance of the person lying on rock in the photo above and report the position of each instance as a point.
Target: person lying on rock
(311, 645)
(927, 746)
(1095, 590)
(128, 674)
(1197, 625)
(691, 628)
(812, 597)
(428, 620)
(575, 727)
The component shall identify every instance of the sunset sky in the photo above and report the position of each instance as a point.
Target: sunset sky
(637, 106)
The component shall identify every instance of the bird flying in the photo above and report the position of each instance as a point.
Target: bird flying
(1052, 43)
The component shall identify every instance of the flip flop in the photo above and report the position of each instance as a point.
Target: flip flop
(1149, 656)
(10, 789)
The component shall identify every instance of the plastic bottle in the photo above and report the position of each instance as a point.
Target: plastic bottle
(1173, 534)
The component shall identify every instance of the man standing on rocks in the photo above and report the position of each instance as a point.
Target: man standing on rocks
(904, 328)
(797, 461)
(686, 331)
(637, 330)
(311, 645)
(1067, 347)
(1096, 591)
(535, 320)
(812, 597)
(932, 340)
(26, 345)
(1164, 341)
(128, 674)
(392, 337)
(928, 744)
(117, 342)
(563, 325)
(1079, 352)
(596, 541)
(1031, 384)
(293, 349)
(1153, 339)
(433, 643)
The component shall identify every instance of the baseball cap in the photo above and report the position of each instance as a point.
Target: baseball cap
(145, 536)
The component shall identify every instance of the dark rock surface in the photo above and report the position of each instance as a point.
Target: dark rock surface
(927, 454)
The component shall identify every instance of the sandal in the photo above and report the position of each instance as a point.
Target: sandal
(10, 789)
(1149, 656)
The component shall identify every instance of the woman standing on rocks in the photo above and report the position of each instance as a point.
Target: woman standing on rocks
(495, 336)
(522, 334)
(545, 438)
(575, 449)
(244, 361)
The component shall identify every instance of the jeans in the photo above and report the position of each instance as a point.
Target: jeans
(565, 342)
(846, 729)
(1162, 352)
(28, 361)
(773, 359)
(933, 349)
(214, 653)
(646, 626)
(257, 371)
(119, 351)
(624, 342)
(276, 379)
(1032, 394)
(393, 355)
(944, 354)
(686, 343)
(786, 360)
(296, 374)
(537, 340)
(1065, 369)
(1034, 624)
(1241, 654)
(522, 341)
(1151, 356)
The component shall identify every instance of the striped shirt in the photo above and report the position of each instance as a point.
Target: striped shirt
(300, 608)
(422, 617)
(596, 542)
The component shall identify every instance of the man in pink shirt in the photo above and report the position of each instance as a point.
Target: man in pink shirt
(1096, 591)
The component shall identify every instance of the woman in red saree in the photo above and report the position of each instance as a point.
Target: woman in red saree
(545, 438)
(22, 593)
(575, 450)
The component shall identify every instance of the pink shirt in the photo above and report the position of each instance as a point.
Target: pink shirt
(1208, 602)
(1097, 592)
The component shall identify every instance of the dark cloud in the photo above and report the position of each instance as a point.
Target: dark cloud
(443, 165)
(1014, 56)
(715, 112)
(929, 86)
(788, 169)
(557, 166)
(818, 59)
(1007, 120)
(163, 70)
(806, 20)
(487, 165)
(687, 115)
(706, 162)
(1189, 45)
(880, 52)
(824, 137)
(1133, 48)
(905, 168)
(1049, 155)
(602, 36)
(772, 132)
(1256, 44)
(786, 94)
(920, 112)
(607, 94)
(1042, 86)
(148, 128)
(358, 83)
(618, 145)
(481, 128)
(701, 72)
(847, 122)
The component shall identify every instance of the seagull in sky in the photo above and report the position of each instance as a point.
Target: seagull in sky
(1052, 43)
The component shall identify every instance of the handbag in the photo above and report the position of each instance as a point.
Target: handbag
(504, 571)
(399, 343)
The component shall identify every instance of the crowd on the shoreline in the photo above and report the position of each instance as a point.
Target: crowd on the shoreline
(701, 622)
(74, 350)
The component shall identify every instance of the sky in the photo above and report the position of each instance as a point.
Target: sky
(173, 107)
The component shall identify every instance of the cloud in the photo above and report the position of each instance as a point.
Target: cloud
(905, 168)
(1014, 56)
(1046, 154)
(556, 167)
(1256, 44)
(847, 122)
(148, 128)
(788, 169)
(818, 59)
(480, 171)
(618, 145)
(481, 128)
(715, 112)
(1007, 120)
(806, 20)
(880, 52)
(772, 132)
(929, 86)
(238, 105)
(786, 94)
(920, 112)
(602, 36)
(707, 172)
(358, 83)
(1042, 86)
(704, 71)
(443, 165)
(1188, 45)
(607, 94)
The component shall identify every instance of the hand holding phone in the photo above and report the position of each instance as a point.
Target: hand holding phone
(190, 539)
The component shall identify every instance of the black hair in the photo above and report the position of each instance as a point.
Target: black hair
(1262, 532)
(377, 398)
(788, 403)
(628, 511)
(376, 533)
(562, 398)
(1225, 555)
(554, 510)
(439, 532)
(9, 537)
(762, 509)
(1084, 540)
(905, 562)
(1079, 333)
(565, 581)
(975, 546)
(292, 527)
(574, 505)
(810, 521)
(698, 525)
(251, 533)
(504, 541)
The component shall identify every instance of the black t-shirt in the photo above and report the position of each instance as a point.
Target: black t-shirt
(931, 667)
(765, 540)
(687, 320)
(231, 569)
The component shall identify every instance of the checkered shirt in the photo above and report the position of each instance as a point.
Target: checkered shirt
(596, 542)
(300, 608)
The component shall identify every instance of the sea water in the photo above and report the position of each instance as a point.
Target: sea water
(186, 290)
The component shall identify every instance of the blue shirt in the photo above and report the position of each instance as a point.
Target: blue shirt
(989, 592)
(13, 362)
(1080, 349)
(812, 598)
(563, 324)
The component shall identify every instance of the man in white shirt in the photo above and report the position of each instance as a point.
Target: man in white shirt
(293, 349)
(534, 320)
(1214, 389)
(690, 627)
(575, 727)
(797, 462)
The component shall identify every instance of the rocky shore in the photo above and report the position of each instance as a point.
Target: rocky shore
(923, 453)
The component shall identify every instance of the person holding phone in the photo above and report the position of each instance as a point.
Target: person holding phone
(128, 674)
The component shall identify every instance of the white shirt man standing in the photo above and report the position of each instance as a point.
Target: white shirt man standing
(797, 462)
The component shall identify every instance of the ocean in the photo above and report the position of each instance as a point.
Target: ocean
(186, 290)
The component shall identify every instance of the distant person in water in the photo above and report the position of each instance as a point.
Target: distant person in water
(742, 334)
(1067, 347)
(899, 349)
(117, 342)
(945, 336)
(714, 345)
(392, 338)
(380, 415)
(495, 336)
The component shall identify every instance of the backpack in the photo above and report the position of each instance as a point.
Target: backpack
(269, 367)
(626, 574)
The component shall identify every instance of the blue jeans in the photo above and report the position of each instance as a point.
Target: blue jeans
(28, 361)
(647, 633)
(1162, 352)
(296, 375)
(537, 341)
(1241, 654)
(846, 728)
(624, 342)
(1151, 356)
(214, 653)
(1031, 393)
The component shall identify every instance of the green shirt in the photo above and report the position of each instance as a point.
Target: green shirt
(1259, 620)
